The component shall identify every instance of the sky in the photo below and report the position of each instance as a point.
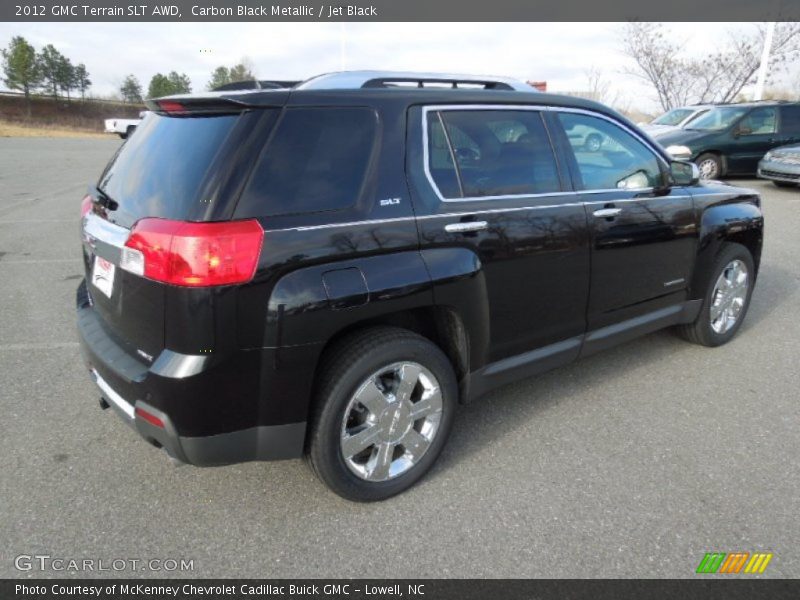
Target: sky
(559, 53)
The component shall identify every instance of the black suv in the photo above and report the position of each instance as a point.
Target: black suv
(730, 139)
(328, 270)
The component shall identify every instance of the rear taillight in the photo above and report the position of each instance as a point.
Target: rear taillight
(193, 254)
(86, 205)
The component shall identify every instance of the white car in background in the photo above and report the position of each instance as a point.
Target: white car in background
(677, 118)
(123, 127)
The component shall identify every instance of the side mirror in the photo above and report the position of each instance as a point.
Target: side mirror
(684, 173)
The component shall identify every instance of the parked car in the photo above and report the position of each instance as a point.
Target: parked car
(124, 128)
(587, 138)
(339, 265)
(675, 119)
(781, 165)
(731, 139)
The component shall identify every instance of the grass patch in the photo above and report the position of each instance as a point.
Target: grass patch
(10, 129)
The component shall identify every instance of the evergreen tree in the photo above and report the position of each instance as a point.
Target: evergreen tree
(220, 76)
(21, 68)
(82, 81)
(51, 63)
(131, 90)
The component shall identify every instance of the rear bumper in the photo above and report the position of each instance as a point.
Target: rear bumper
(174, 395)
(271, 442)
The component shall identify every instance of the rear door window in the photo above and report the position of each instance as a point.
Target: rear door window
(316, 160)
(489, 153)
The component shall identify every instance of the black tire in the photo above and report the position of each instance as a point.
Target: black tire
(710, 166)
(344, 369)
(129, 131)
(701, 331)
(124, 136)
(784, 184)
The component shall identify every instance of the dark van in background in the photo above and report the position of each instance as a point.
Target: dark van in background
(731, 139)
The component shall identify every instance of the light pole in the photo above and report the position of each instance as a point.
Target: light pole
(762, 70)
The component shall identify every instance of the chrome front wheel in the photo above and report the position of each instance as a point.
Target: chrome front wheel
(729, 296)
(391, 421)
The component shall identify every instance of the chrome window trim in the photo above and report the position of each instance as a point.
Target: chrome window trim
(517, 107)
(454, 215)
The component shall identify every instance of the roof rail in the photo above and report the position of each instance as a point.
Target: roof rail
(348, 80)
(763, 101)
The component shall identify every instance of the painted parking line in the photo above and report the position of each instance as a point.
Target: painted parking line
(39, 261)
(38, 346)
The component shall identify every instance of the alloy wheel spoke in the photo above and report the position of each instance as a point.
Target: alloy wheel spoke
(379, 466)
(716, 310)
(415, 444)
(371, 397)
(430, 403)
(362, 440)
(408, 375)
(733, 274)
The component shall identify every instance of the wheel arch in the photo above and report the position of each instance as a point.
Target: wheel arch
(441, 325)
(737, 222)
(723, 159)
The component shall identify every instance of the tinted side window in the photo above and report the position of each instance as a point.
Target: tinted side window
(759, 121)
(790, 119)
(608, 157)
(497, 153)
(316, 161)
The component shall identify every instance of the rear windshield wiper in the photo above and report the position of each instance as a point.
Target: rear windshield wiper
(106, 201)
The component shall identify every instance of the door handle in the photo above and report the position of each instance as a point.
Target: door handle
(602, 213)
(466, 226)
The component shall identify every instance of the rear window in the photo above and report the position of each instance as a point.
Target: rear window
(316, 161)
(159, 170)
(790, 118)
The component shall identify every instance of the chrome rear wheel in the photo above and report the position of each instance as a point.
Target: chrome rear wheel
(391, 421)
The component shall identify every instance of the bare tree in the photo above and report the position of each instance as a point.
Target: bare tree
(738, 65)
(657, 62)
(599, 88)
(714, 78)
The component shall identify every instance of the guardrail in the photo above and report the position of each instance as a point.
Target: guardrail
(71, 99)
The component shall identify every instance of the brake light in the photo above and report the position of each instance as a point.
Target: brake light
(169, 106)
(86, 205)
(193, 254)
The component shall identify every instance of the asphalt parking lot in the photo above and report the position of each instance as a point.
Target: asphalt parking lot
(631, 463)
